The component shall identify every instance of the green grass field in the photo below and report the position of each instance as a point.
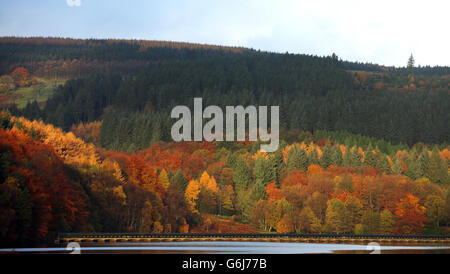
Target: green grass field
(40, 93)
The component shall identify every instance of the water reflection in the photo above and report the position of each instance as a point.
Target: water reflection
(233, 248)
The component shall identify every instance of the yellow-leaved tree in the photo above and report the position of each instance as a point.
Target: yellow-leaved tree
(191, 194)
(163, 179)
(208, 182)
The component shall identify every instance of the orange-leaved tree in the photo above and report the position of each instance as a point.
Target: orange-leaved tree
(411, 216)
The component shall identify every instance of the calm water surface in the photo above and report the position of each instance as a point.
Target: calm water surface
(213, 247)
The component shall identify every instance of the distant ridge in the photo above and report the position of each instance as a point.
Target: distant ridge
(144, 44)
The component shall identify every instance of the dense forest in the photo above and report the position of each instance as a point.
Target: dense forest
(364, 149)
(313, 94)
(54, 182)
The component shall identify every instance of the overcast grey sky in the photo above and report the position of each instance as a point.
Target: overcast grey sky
(382, 31)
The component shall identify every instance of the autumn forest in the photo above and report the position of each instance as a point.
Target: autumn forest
(85, 142)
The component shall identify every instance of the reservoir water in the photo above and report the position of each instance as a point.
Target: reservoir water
(224, 247)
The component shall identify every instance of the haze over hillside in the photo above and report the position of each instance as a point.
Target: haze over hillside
(383, 32)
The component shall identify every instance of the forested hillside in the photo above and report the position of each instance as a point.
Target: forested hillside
(313, 94)
(55, 182)
(74, 57)
(363, 149)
